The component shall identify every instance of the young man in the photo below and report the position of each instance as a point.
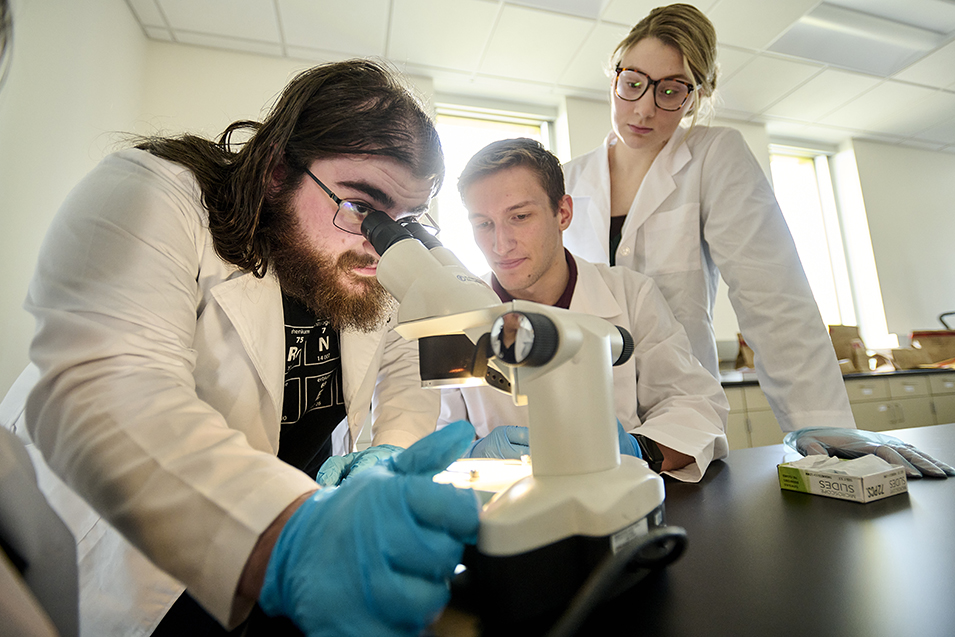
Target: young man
(514, 193)
(207, 313)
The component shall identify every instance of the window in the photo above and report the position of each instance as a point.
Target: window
(832, 241)
(804, 191)
(464, 131)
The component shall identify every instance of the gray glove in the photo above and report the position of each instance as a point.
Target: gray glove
(852, 443)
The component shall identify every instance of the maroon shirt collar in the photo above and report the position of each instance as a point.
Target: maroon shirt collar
(562, 302)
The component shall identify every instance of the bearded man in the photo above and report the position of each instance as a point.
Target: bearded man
(207, 315)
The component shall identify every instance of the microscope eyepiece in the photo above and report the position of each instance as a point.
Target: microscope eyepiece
(383, 231)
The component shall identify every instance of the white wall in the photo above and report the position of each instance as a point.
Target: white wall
(76, 75)
(909, 199)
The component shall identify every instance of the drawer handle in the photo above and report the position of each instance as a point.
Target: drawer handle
(909, 388)
(866, 391)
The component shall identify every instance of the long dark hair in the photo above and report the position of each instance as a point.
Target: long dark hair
(351, 107)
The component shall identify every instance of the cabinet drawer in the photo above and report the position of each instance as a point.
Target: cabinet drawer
(908, 386)
(735, 397)
(755, 398)
(880, 415)
(763, 428)
(867, 389)
(944, 408)
(942, 384)
(737, 432)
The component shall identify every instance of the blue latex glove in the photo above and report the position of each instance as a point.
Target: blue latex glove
(628, 444)
(374, 555)
(506, 441)
(852, 443)
(337, 468)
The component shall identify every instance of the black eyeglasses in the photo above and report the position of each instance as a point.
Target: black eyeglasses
(668, 94)
(350, 214)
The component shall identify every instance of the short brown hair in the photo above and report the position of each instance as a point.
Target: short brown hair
(509, 153)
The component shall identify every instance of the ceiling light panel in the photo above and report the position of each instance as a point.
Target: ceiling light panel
(856, 41)
(735, 20)
(448, 34)
(330, 25)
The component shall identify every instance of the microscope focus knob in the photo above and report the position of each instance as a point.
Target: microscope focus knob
(627, 351)
(524, 338)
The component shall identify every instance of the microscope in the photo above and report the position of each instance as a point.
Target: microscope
(569, 531)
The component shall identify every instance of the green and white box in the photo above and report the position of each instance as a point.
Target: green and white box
(862, 479)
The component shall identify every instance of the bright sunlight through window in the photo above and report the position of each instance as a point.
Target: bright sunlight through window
(804, 191)
(462, 135)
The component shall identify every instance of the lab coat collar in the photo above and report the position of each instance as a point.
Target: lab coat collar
(592, 295)
(658, 184)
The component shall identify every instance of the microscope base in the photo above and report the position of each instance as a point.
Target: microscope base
(516, 593)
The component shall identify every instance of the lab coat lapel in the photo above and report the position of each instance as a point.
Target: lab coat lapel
(592, 193)
(359, 350)
(591, 294)
(254, 306)
(658, 183)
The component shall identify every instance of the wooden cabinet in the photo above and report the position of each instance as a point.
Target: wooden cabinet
(878, 402)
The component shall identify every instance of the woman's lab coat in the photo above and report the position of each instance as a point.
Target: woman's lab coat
(662, 392)
(704, 209)
(160, 394)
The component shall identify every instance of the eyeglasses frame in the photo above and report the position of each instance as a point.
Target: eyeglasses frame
(654, 84)
(339, 201)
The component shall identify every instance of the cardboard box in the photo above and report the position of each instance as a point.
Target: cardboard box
(864, 479)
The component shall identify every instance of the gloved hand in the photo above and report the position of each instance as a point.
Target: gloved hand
(337, 468)
(852, 443)
(374, 555)
(628, 444)
(506, 441)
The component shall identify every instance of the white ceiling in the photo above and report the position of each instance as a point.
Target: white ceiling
(538, 50)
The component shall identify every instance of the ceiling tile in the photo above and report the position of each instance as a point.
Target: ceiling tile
(241, 19)
(589, 68)
(629, 12)
(921, 111)
(548, 42)
(158, 33)
(330, 25)
(449, 34)
(822, 94)
(754, 24)
(219, 42)
(730, 61)
(875, 109)
(780, 129)
(936, 69)
(313, 55)
(943, 132)
(764, 81)
(147, 13)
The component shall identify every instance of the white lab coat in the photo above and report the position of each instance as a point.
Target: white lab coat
(160, 395)
(704, 209)
(662, 392)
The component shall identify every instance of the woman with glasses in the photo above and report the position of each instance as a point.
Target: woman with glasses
(685, 203)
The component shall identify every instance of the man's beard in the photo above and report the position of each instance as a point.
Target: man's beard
(317, 282)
